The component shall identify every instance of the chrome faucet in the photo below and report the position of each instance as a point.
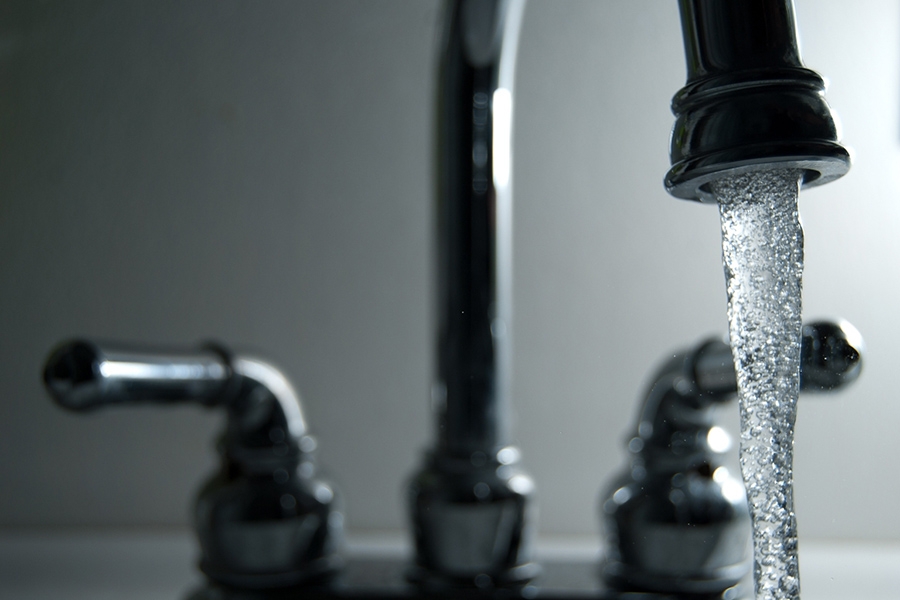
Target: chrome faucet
(676, 521)
(748, 104)
(264, 520)
(471, 504)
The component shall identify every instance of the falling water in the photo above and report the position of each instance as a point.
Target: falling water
(762, 247)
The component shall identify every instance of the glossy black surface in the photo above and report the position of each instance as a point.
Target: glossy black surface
(749, 102)
(386, 578)
(675, 520)
(831, 355)
(263, 520)
(473, 254)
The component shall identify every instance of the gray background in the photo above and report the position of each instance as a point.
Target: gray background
(260, 173)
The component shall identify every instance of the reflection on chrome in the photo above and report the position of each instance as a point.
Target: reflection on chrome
(718, 439)
(502, 141)
(278, 385)
(732, 489)
(136, 370)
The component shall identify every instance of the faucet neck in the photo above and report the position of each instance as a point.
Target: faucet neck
(474, 215)
(724, 37)
(749, 104)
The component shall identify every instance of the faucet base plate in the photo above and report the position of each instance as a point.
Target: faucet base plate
(319, 571)
(516, 579)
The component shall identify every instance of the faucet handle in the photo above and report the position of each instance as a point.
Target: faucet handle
(675, 521)
(831, 355)
(830, 358)
(83, 375)
(264, 521)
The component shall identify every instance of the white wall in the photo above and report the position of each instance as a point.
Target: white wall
(261, 174)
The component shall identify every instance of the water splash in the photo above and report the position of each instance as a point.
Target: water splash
(762, 247)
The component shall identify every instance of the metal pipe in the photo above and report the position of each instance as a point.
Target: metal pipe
(83, 375)
(475, 224)
(470, 504)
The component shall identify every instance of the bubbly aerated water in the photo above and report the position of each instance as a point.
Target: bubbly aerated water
(762, 247)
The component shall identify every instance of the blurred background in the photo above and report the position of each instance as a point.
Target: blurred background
(262, 174)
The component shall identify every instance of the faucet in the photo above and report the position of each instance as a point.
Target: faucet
(676, 521)
(749, 103)
(471, 503)
(263, 520)
(752, 115)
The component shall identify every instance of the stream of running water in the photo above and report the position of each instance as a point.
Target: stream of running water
(762, 247)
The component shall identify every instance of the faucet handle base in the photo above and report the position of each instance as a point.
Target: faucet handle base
(515, 581)
(472, 523)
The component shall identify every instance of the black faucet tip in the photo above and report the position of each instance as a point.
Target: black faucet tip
(749, 103)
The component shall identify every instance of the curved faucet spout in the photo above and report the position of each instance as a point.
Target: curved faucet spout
(475, 224)
(471, 503)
